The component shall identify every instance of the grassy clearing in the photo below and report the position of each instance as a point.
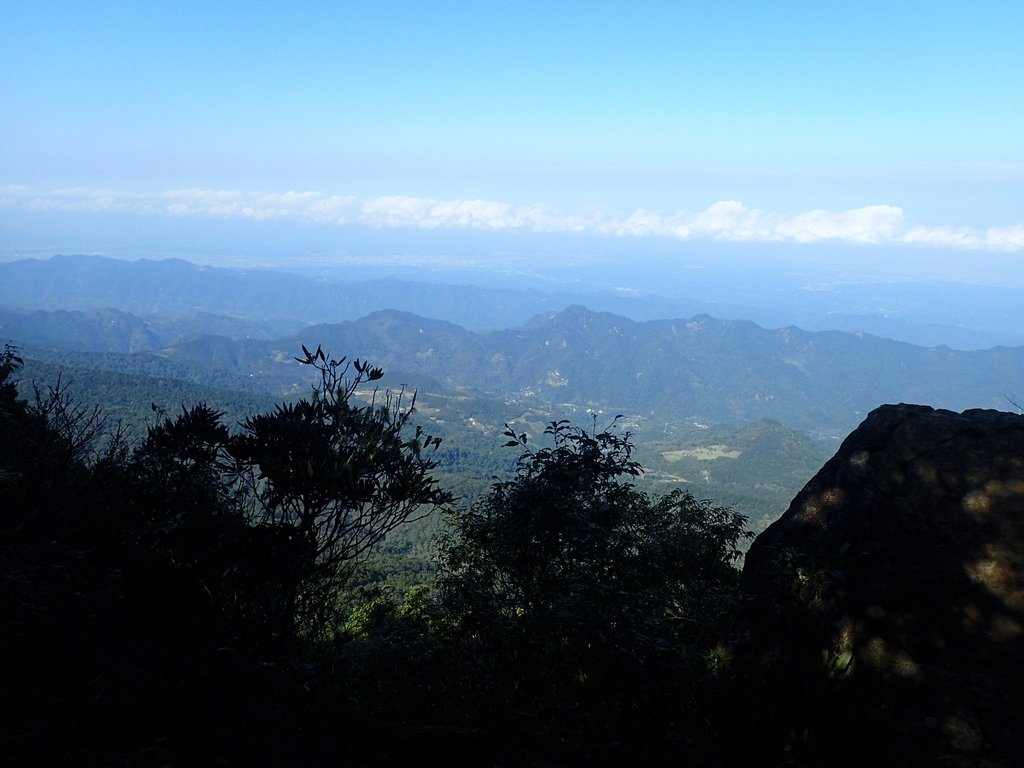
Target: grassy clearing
(703, 453)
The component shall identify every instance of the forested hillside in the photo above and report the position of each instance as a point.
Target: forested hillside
(701, 369)
(199, 596)
(679, 383)
(754, 468)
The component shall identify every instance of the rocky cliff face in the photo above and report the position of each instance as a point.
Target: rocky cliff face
(886, 607)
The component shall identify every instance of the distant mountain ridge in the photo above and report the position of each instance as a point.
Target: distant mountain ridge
(113, 330)
(177, 288)
(279, 302)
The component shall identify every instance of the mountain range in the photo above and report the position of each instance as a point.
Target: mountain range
(699, 369)
(277, 302)
(243, 329)
(736, 411)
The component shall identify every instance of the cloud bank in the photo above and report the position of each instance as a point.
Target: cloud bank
(725, 220)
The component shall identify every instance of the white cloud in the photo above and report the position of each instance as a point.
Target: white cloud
(435, 214)
(730, 220)
(727, 220)
(336, 209)
(236, 204)
(1005, 238)
(871, 224)
(955, 237)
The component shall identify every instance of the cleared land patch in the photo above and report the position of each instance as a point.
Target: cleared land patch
(703, 453)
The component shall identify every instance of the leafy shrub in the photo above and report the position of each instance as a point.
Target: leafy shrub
(581, 605)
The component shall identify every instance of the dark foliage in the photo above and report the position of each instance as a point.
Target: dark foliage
(305, 490)
(584, 608)
(161, 605)
(146, 596)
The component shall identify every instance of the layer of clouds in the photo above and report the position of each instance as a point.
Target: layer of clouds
(726, 220)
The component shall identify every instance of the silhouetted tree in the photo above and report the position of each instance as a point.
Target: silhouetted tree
(318, 481)
(583, 601)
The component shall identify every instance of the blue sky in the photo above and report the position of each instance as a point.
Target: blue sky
(878, 123)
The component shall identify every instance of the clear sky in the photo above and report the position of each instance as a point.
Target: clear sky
(882, 123)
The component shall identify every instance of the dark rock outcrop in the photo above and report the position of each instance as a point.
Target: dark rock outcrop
(885, 609)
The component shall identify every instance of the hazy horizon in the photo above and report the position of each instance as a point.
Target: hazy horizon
(603, 145)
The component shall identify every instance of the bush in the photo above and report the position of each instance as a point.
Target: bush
(582, 604)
